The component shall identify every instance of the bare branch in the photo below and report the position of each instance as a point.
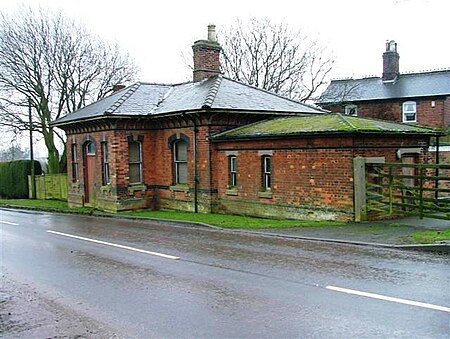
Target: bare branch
(58, 65)
(275, 57)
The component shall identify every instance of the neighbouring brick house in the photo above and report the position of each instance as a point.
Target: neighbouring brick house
(421, 98)
(217, 145)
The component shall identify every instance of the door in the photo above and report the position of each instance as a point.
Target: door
(89, 171)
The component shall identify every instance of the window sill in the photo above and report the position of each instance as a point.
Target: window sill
(265, 194)
(231, 191)
(179, 188)
(138, 187)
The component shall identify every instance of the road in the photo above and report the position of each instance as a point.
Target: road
(121, 278)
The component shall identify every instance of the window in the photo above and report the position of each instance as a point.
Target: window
(90, 148)
(105, 163)
(232, 162)
(135, 162)
(351, 110)
(266, 173)
(74, 163)
(180, 161)
(409, 111)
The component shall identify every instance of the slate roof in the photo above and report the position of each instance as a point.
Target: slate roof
(413, 85)
(328, 124)
(217, 92)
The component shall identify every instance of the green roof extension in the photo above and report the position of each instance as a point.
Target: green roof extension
(328, 124)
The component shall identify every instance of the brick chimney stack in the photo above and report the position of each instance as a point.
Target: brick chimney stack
(390, 62)
(207, 56)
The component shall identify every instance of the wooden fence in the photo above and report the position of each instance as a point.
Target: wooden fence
(51, 186)
(408, 189)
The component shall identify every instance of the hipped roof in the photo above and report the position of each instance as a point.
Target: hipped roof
(217, 92)
(327, 125)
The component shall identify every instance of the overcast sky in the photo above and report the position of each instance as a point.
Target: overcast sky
(157, 33)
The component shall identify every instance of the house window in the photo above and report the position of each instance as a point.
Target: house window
(266, 173)
(74, 163)
(180, 161)
(90, 148)
(409, 111)
(232, 166)
(351, 110)
(135, 161)
(105, 163)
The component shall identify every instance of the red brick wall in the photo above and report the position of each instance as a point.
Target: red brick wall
(438, 116)
(315, 174)
(206, 60)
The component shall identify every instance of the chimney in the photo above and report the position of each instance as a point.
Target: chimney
(117, 88)
(207, 56)
(390, 62)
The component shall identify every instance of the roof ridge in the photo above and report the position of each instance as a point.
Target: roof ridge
(209, 99)
(277, 95)
(345, 120)
(122, 99)
(162, 98)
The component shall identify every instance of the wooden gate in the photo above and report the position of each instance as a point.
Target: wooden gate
(407, 189)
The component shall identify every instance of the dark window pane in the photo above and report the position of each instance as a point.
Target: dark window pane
(182, 173)
(134, 151)
(181, 151)
(90, 148)
(135, 173)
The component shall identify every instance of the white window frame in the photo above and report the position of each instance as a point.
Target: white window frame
(139, 161)
(177, 162)
(351, 110)
(267, 172)
(105, 164)
(406, 113)
(232, 165)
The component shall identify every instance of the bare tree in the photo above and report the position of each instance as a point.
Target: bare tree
(275, 58)
(56, 65)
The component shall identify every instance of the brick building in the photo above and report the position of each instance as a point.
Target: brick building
(422, 98)
(217, 145)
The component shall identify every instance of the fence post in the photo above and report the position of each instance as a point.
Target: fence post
(421, 168)
(391, 183)
(359, 186)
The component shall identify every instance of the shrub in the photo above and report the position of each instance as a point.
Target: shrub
(14, 178)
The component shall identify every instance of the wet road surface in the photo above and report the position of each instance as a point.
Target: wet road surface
(155, 279)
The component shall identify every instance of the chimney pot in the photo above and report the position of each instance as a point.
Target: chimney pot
(117, 87)
(212, 33)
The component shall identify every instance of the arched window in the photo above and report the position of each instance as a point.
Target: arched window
(180, 161)
(90, 148)
(409, 111)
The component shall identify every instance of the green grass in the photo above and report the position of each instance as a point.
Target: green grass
(220, 220)
(230, 221)
(430, 236)
(46, 205)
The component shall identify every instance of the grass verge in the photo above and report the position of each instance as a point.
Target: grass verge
(220, 220)
(430, 236)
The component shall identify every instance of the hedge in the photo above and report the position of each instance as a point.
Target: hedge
(14, 178)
